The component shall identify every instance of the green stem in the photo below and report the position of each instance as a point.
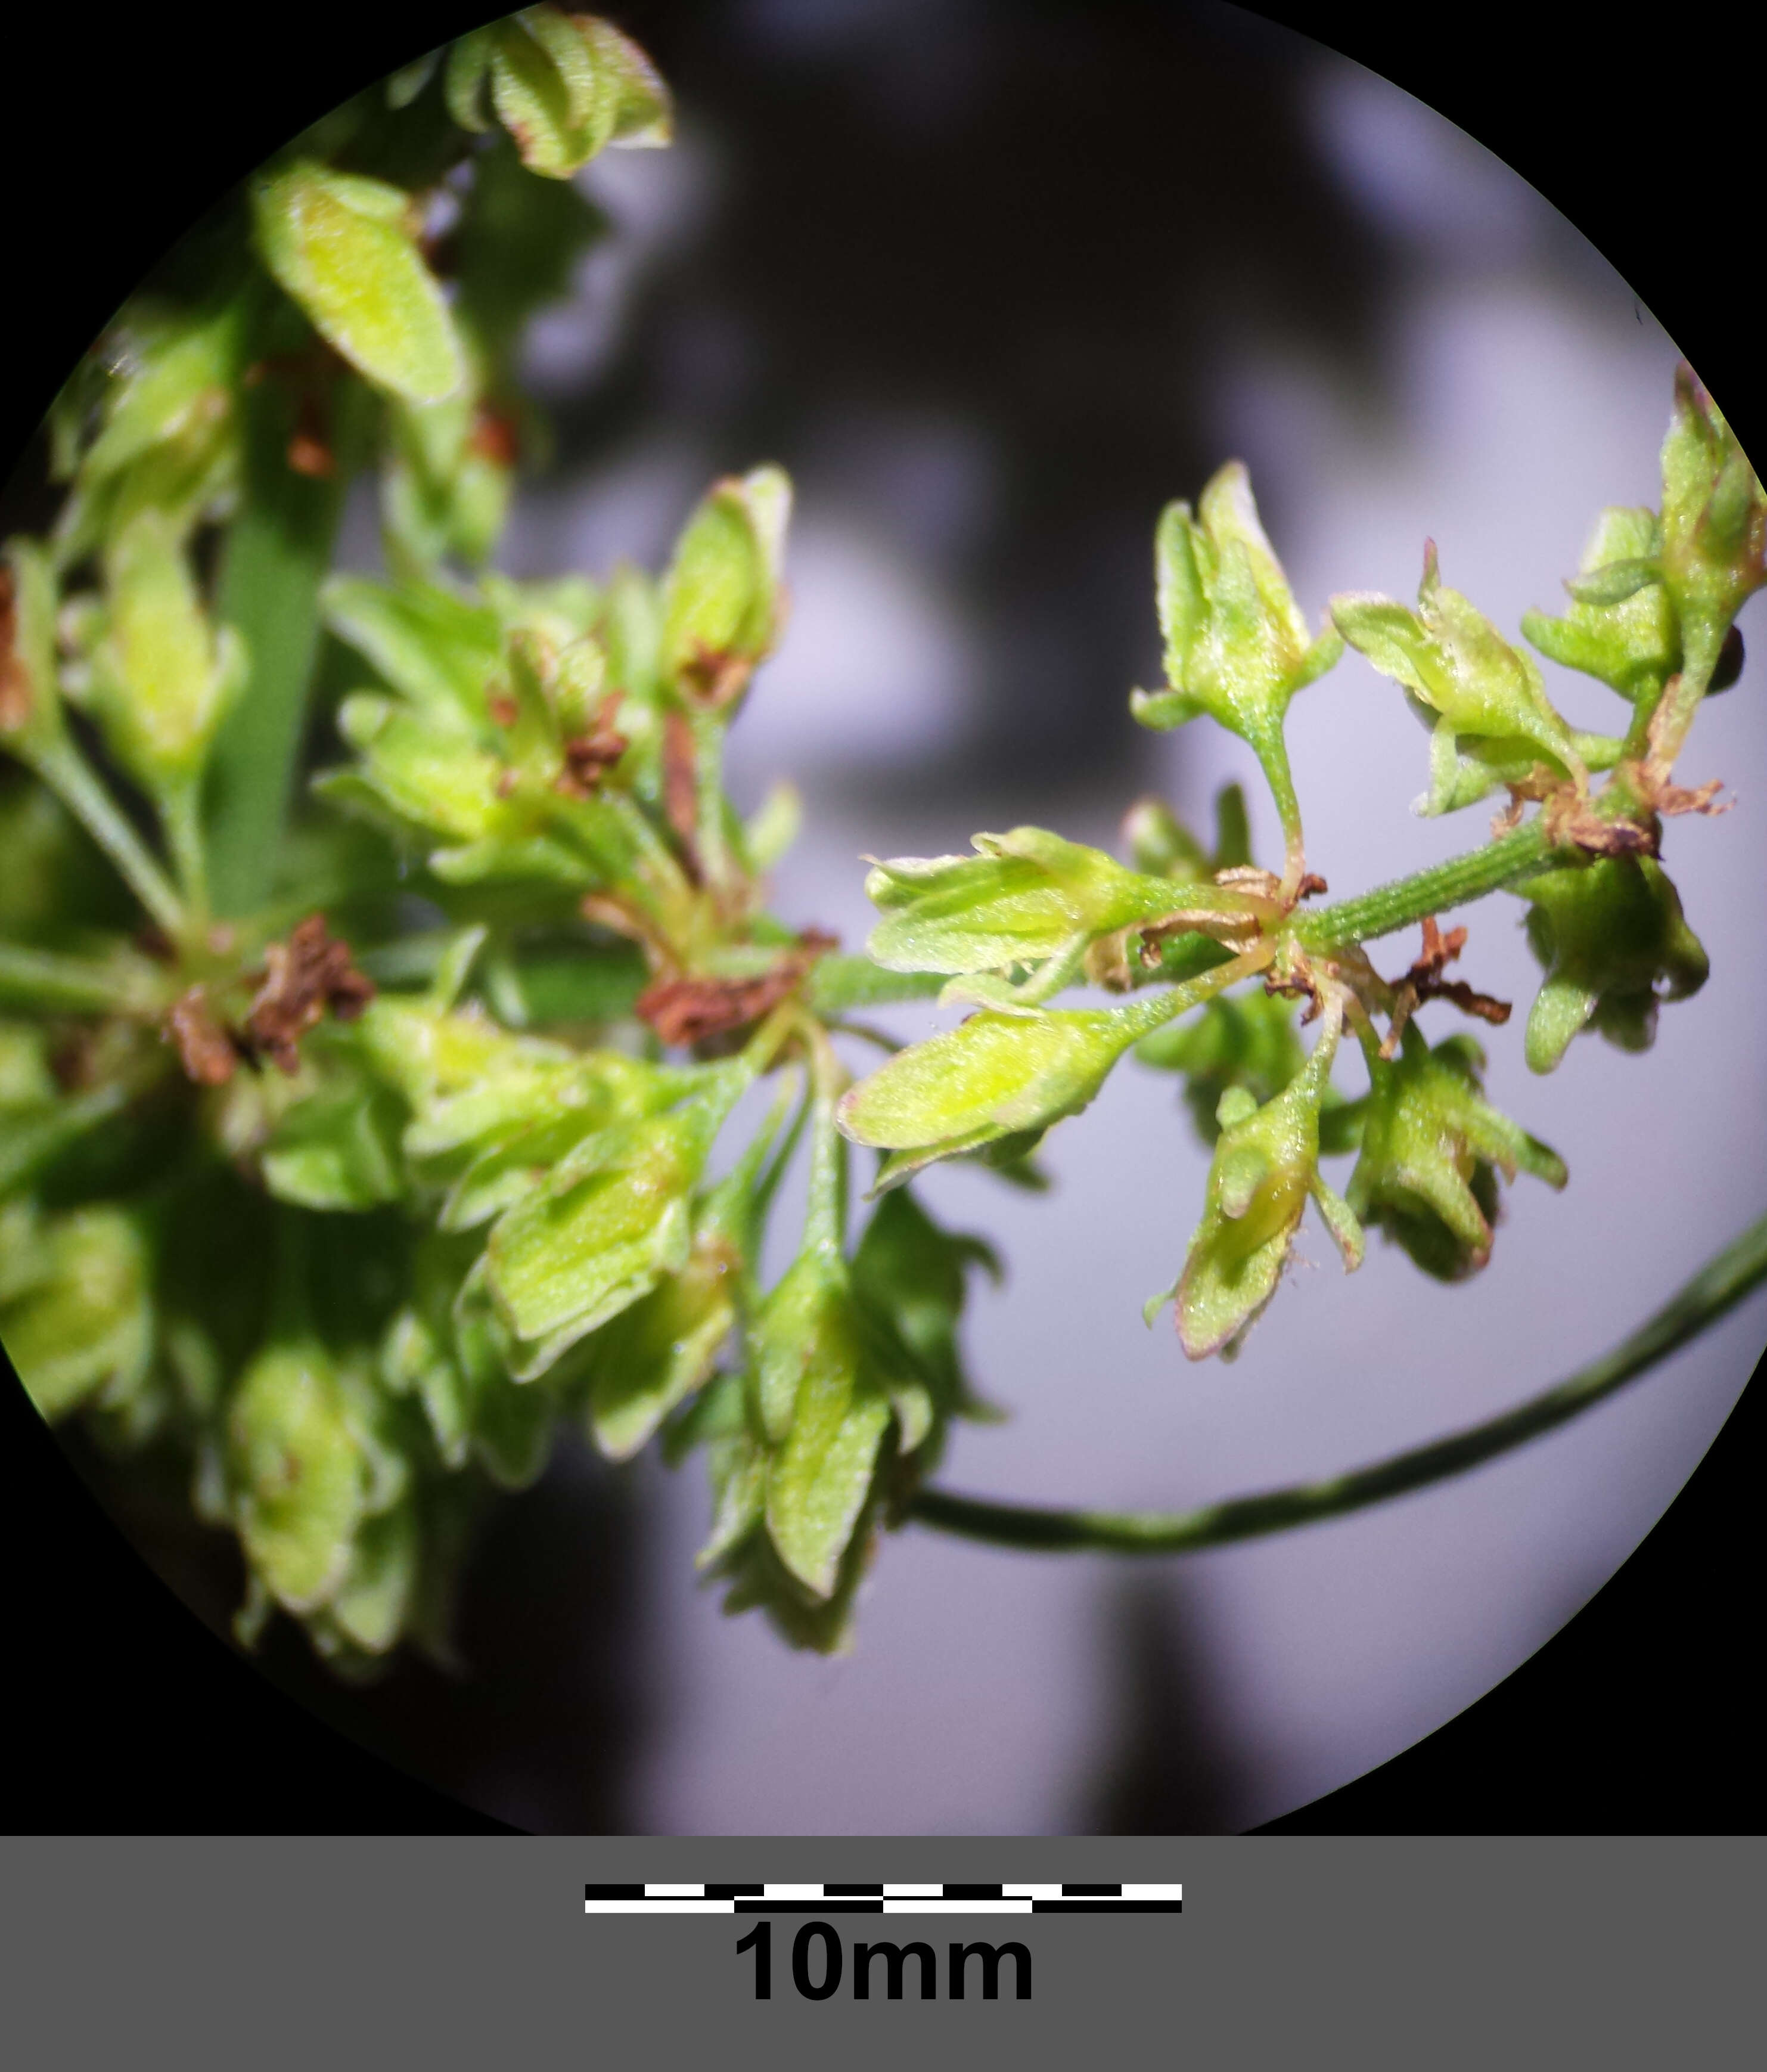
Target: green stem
(1272, 750)
(180, 813)
(825, 1214)
(1682, 694)
(47, 982)
(68, 774)
(1504, 862)
(1141, 1018)
(1718, 1287)
(710, 837)
(278, 551)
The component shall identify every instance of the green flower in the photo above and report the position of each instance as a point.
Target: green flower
(324, 1495)
(1483, 699)
(76, 1305)
(565, 86)
(1621, 627)
(1714, 521)
(605, 1226)
(722, 600)
(345, 248)
(161, 676)
(447, 1347)
(298, 1472)
(1614, 942)
(656, 1354)
(1236, 645)
(996, 1078)
(1431, 1151)
(1029, 897)
(1266, 1165)
(168, 441)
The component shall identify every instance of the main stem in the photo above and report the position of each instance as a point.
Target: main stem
(1718, 1287)
(278, 552)
(1506, 861)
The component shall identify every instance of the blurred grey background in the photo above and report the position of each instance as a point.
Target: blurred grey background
(994, 283)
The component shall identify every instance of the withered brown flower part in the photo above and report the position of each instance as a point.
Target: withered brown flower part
(303, 978)
(209, 1055)
(695, 1009)
(15, 690)
(494, 437)
(714, 679)
(588, 757)
(310, 449)
(1572, 822)
(1424, 981)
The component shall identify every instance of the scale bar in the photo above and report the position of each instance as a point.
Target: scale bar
(1013, 1897)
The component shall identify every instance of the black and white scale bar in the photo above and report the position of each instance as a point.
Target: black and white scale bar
(922, 1899)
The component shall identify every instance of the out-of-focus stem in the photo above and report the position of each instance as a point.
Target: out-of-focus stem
(1736, 1271)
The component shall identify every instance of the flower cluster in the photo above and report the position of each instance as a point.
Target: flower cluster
(399, 1057)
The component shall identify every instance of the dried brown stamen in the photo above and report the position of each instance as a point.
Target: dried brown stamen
(693, 1009)
(713, 679)
(209, 1054)
(590, 755)
(493, 435)
(1424, 981)
(303, 978)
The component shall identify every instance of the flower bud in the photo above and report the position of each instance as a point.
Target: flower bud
(609, 1221)
(1432, 1148)
(449, 1348)
(1266, 1165)
(1236, 645)
(298, 1472)
(1714, 520)
(1614, 942)
(654, 1356)
(824, 1412)
(1028, 898)
(722, 598)
(440, 652)
(162, 677)
(168, 441)
(1483, 699)
(344, 248)
(1621, 626)
(994, 1076)
(429, 780)
(373, 1605)
(76, 1312)
(564, 86)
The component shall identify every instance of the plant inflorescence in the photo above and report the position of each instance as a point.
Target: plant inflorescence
(360, 1130)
